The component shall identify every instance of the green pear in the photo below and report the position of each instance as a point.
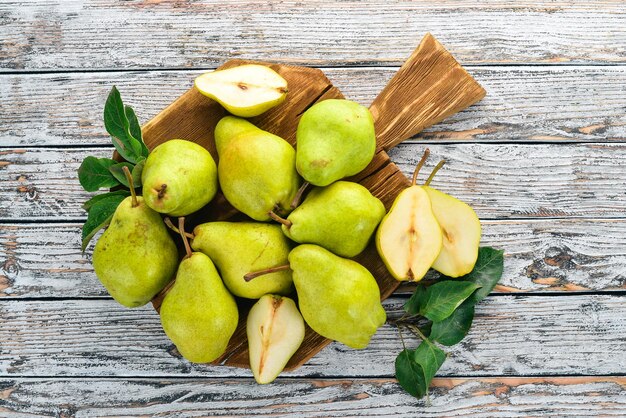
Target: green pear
(460, 231)
(409, 238)
(198, 313)
(341, 218)
(238, 248)
(257, 172)
(246, 90)
(338, 298)
(179, 178)
(275, 331)
(230, 127)
(335, 139)
(135, 257)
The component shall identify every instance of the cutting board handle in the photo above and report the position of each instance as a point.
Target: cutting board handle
(429, 87)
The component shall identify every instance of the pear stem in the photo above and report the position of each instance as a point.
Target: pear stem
(298, 197)
(129, 178)
(419, 166)
(432, 174)
(253, 274)
(181, 229)
(277, 218)
(171, 226)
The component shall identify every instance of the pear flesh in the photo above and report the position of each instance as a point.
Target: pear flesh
(238, 248)
(338, 297)
(179, 178)
(275, 331)
(257, 172)
(198, 314)
(461, 234)
(135, 257)
(341, 218)
(246, 90)
(409, 238)
(335, 139)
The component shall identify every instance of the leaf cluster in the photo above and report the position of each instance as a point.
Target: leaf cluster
(95, 173)
(448, 307)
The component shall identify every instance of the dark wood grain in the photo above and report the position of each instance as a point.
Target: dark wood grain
(138, 34)
(511, 335)
(459, 397)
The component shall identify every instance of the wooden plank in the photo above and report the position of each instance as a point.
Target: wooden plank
(498, 180)
(523, 104)
(480, 397)
(44, 260)
(147, 34)
(523, 335)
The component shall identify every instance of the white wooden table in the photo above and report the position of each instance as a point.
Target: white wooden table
(542, 159)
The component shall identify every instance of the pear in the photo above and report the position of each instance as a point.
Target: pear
(198, 314)
(230, 127)
(135, 257)
(257, 172)
(179, 178)
(338, 298)
(238, 248)
(461, 234)
(341, 218)
(409, 238)
(275, 331)
(246, 90)
(335, 139)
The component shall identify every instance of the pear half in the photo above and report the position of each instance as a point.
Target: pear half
(461, 234)
(246, 90)
(409, 238)
(275, 331)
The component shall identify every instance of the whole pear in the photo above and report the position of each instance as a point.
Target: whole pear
(341, 218)
(257, 172)
(275, 331)
(135, 257)
(338, 298)
(335, 139)
(238, 248)
(179, 178)
(198, 314)
(230, 127)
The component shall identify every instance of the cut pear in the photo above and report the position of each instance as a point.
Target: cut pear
(246, 90)
(461, 234)
(409, 237)
(275, 331)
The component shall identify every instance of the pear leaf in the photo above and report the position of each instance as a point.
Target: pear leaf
(454, 328)
(109, 195)
(94, 173)
(118, 126)
(100, 215)
(486, 273)
(442, 298)
(417, 299)
(410, 374)
(118, 172)
(430, 358)
(135, 129)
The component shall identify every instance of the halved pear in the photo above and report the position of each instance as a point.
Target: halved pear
(275, 331)
(461, 234)
(409, 237)
(246, 90)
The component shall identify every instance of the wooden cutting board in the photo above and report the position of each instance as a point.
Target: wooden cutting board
(430, 86)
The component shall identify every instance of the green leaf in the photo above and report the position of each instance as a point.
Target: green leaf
(136, 172)
(487, 272)
(118, 126)
(135, 129)
(105, 196)
(430, 358)
(410, 374)
(94, 173)
(454, 328)
(99, 216)
(413, 305)
(443, 298)
(118, 172)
